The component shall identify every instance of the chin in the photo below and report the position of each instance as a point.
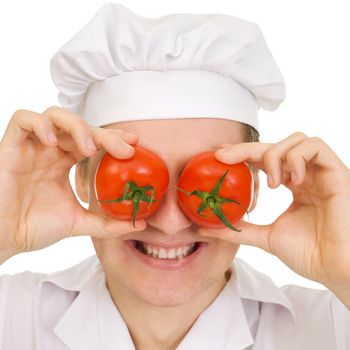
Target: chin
(168, 291)
(161, 283)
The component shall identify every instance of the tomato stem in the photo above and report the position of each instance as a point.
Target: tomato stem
(213, 201)
(136, 194)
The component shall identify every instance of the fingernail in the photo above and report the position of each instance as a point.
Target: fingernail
(294, 177)
(270, 180)
(224, 150)
(51, 137)
(90, 145)
(127, 147)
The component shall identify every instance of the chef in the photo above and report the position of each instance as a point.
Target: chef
(178, 85)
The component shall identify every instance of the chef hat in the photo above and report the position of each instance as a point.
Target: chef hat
(123, 67)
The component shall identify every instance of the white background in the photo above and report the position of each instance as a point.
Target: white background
(309, 40)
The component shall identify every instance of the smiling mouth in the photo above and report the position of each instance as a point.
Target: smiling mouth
(162, 253)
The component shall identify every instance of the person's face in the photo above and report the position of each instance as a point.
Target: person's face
(175, 141)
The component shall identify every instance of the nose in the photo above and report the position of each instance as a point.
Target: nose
(169, 218)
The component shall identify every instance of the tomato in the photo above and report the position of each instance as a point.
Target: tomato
(131, 188)
(214, 194)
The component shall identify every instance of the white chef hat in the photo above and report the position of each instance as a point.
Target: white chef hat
(123, 67)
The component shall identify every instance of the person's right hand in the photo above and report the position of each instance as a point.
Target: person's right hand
(37, 204)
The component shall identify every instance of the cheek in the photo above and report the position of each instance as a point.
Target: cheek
(106, 250)
(98, 245)
(224, 252)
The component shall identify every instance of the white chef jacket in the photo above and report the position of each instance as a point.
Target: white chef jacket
(72, 309)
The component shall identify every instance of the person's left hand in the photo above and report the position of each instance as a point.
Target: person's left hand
(312, 236)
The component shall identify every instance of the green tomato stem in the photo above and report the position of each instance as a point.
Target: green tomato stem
(213, 201)
(136, 194)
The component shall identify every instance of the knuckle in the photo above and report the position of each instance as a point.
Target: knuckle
(46, 122)
(291, 156)
(94, 129)
(52, 110)
(316, 140)
(81, 123)
(299, 134)
(71, 120)
(270, 156)
(19, 113)
(112, 133)
(82, 126)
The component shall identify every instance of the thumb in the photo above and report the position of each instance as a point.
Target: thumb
(91, 224)
(250, 234)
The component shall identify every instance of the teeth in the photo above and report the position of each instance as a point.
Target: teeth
(173, 253)
(149, 250)
(162, 253)
(154, 252)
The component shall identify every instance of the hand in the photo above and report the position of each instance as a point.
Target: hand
(312, 236)
(37, 204)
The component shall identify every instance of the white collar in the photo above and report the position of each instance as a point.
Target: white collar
(93, 309)
(255, 285)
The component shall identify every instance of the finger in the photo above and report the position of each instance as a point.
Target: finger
(75, 126)
(251, 234)
(250, 152)
(314, 151)
(265, 156)
(24, 123)
(276, 156)
(224, 145)
(286, 175)
(114, 142)
(90, 139)
(90, 224)
(111, 139)
(129, 137)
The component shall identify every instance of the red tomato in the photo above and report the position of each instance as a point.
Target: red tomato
(214, 194)
(131, 188)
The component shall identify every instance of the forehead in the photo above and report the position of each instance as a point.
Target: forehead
(178, 139)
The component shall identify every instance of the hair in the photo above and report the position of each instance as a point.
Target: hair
(250, 134)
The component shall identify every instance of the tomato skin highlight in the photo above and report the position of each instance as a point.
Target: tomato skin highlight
(144, 168)
(202, 173)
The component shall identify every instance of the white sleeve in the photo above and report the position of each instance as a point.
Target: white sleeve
(341, 321)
